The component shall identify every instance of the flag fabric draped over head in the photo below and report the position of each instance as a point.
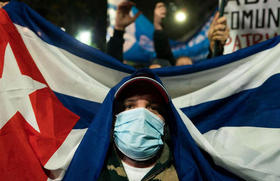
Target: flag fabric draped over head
(139, 45)
(251, 22)
(189, 160)
(53, 107)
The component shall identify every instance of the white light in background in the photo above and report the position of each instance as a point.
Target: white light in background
(180, 16)
(84, 36)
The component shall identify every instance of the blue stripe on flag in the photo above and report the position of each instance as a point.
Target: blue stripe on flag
(83, 108)
(218, 61)
(258, 107)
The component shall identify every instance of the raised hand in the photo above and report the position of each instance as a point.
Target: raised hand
(219, 31)
(123, 18)
(2, 4)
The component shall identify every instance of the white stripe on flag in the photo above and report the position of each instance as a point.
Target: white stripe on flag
(252, 148)
(60, 160)
(235, 77)
(66, 73)
(230, 147)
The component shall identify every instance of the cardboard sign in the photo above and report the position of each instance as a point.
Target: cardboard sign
(251, 22)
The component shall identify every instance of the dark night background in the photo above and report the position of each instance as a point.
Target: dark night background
(92, 15)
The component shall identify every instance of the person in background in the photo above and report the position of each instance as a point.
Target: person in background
(158, 63)
(218, 32)
(123, 19)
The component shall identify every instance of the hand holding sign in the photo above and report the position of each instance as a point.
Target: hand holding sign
(219, 31)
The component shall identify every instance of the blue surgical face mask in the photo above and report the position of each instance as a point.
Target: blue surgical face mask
(137, 133)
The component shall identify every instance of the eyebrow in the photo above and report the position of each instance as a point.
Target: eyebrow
(150, 99)
(130, 100)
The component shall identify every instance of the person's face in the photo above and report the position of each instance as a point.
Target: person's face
(184, 61)
(160, 9)
(147, 101)
(154, 66)
(161, 5)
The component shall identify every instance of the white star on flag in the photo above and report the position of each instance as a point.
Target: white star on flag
(15, 89)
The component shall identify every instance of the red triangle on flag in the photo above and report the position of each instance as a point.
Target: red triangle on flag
(25, 150)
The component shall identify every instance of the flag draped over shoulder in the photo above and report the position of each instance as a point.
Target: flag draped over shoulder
(189, 160)
(53, 89)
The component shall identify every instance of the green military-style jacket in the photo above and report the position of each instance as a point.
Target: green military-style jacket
(163, 170)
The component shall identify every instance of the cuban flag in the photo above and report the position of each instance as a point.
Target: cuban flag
(53, 89)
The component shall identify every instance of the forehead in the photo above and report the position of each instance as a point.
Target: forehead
(150, 98)
(160, 4)
(141, 88)
(184, 58)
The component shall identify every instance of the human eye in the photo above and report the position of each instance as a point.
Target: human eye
(154, 108)
(128, 106)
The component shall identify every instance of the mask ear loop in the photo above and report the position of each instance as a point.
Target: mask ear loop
(114, 118)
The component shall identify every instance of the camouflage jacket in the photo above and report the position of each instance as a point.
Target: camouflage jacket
(162, 171)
